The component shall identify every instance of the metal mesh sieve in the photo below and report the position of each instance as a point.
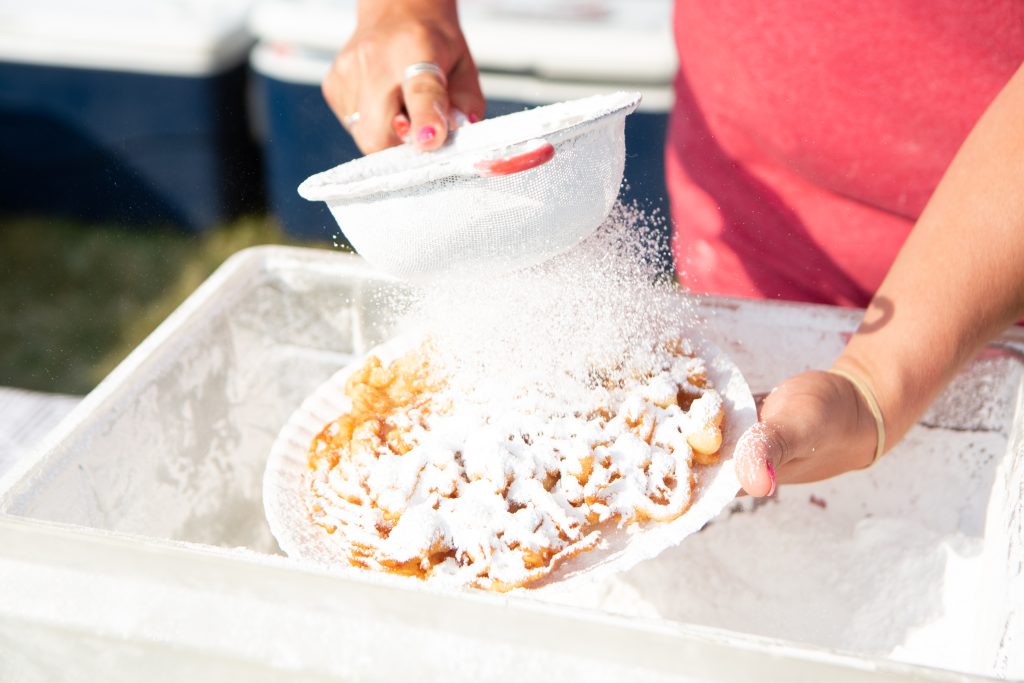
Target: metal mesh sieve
(506, 193)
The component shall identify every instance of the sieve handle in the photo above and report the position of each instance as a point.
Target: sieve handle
(523, 157)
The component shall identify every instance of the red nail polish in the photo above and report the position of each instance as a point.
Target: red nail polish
(401, 128)
(472, 118)
(426, 134)
(771, 475)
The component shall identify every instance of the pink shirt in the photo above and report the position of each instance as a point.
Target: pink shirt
(808, 136)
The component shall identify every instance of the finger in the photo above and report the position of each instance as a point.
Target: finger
(759, 452)
(363, 98)
(464, 90)
(378, 107)
(426, 103)
(790, 420)
(334, 90)
(400, 124)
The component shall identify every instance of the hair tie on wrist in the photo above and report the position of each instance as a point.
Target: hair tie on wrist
(869, 397)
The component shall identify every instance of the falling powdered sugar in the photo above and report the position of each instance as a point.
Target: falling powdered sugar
(605, 304)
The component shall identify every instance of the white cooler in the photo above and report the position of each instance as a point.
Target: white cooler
(529, 53)
(126, 111)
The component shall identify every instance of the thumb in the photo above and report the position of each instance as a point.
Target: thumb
(759, 452)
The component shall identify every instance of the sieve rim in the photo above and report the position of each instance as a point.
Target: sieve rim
(351, 181)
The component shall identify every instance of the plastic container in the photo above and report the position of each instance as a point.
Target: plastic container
(127, 111)
(529, 54)
(133, 542)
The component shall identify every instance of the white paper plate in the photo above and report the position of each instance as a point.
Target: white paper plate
(283, 483)
(622, 548)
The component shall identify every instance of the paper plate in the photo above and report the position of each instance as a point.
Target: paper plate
(622, 548)
(283, 505)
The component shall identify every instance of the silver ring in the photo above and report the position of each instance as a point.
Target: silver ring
(418, 68)
(350, 120)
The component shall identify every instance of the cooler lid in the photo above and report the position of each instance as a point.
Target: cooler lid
(592, 40)
(180, 37)
(308, 67)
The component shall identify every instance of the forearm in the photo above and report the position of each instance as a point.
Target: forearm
(370, 10)
(959, 278)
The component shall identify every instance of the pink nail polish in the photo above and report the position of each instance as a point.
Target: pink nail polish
(771, 475)
(472, 118)
(426, 134)
(401, 128)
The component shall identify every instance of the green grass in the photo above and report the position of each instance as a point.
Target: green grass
(76, 298)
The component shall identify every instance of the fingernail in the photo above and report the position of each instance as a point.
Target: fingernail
(401, 128)
(771, 475)
(472, 118)
(426, 134)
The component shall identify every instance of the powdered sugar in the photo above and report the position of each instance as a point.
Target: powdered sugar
(749, 452)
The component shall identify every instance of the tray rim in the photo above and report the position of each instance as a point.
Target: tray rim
(33, 542)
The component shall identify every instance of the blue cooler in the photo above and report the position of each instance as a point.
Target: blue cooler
(127, 111)
(529, 53)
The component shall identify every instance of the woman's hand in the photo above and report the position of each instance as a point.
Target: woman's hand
(365, 89)
(812, 426)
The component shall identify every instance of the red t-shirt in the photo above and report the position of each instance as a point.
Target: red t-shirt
(808, 136)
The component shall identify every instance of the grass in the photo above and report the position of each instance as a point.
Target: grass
(76, 298)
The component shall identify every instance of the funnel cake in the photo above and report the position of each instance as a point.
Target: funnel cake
(494, 488)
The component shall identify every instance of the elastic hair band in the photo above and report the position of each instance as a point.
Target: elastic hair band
(876, 412)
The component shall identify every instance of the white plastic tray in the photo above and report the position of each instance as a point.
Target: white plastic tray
(133, 543)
